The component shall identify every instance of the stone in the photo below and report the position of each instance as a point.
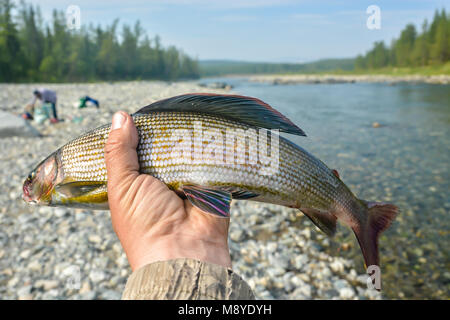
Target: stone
(24, 291)
(303, 291)
(46, 284)
(237, 235)
(340, 284)
(280, 261)
(34, 265)
(13, 281)
(25, 254)
(275, 272)
(346, 293)
(85, 288)
(337, 266)
(376, 125)
(111, 295)
(300, 261)
(91, 295)
(97, 275)
(60, 212)
(50, 295)
(12, 125)
(95, 238)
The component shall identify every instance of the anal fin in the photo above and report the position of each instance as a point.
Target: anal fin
(323, 220)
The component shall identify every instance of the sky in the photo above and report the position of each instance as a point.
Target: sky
(258, 30)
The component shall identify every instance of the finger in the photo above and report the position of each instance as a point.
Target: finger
(121, 159)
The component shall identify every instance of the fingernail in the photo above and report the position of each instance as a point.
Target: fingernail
(117, 121)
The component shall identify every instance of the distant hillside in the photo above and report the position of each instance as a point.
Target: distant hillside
(224, 67)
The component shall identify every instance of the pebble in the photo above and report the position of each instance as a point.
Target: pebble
(347, 293)
(237, 235)
(34, 265)
(337, 266)
(97, 276)
(60, 212)
(300, 261)
(376, 125)
(91, 295)
(13, 281)
(111, 295)
(95, 238)
(24, 291)
(25, 254)
(85, 288)
(46, 284)
(340, 284)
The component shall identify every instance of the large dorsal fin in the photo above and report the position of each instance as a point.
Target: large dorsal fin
(245, 109)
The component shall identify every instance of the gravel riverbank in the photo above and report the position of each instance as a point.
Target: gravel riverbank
(60, 253)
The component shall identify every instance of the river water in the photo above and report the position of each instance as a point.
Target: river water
(404, 161)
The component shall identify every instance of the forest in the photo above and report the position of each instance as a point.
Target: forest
(430, 46)
(32, 50)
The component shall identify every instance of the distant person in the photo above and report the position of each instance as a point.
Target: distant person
(46, 96)
(85, 99)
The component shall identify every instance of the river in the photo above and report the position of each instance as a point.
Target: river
(403, 159)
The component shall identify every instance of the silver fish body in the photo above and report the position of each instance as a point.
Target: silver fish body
(299, 180)
(211, 149)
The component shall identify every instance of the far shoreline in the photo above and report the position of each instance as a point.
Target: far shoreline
(282, 79)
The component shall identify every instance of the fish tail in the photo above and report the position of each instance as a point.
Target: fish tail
(379, 218)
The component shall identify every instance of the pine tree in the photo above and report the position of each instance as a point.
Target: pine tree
(11, 57)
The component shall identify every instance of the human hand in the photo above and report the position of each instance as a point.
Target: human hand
(150, 220)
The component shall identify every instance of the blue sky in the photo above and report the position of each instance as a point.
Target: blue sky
(252, 30)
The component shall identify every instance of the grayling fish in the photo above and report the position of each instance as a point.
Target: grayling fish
(211, 149)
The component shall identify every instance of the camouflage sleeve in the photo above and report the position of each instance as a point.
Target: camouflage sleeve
(186, 279)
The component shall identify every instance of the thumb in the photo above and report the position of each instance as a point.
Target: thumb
(121, 159)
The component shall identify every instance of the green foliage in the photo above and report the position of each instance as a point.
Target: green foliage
(31, 50)
(431, 47)
(10, 50)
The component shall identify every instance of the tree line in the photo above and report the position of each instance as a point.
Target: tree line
(32, 50)
(224, 67)
(431, 46)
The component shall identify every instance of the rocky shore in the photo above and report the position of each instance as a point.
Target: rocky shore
(60, 253)
(333, 78)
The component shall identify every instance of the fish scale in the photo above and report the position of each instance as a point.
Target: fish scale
(300, 178)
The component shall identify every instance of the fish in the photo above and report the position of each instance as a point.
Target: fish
(211, 149)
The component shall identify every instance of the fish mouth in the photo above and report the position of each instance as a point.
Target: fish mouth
(26, 196)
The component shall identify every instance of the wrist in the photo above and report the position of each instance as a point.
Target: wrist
(175, 246)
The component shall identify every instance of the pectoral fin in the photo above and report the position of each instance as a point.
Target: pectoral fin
(323, 220)
(78, 188)
(211, 200)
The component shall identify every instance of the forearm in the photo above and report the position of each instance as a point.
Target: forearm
(186, 279)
